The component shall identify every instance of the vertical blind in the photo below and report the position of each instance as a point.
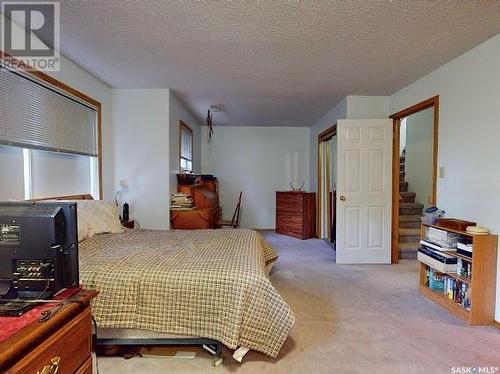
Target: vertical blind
(35, 116)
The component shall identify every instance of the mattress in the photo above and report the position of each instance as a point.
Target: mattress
(206, 283)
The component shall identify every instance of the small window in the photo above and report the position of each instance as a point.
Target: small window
(185, 148)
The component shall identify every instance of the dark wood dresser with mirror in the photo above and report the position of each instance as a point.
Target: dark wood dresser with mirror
(296, 214)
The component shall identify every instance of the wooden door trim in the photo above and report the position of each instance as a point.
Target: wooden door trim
(70, 91)
(433, 102)
(322, 137)
(328, 133)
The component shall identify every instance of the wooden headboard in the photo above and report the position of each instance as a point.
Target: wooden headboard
(68, 197)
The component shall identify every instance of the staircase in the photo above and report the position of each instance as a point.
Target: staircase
(409, 217)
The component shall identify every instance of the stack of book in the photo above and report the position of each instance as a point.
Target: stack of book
(437, 251)
(447, 241)
(181, 201)
(465, 248)
(457, 291)
(464, 268)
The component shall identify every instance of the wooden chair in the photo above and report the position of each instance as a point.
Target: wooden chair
(235, 221)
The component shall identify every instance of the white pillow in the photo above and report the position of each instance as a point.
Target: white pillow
(97, 217)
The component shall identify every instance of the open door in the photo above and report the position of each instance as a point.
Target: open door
(364, 191)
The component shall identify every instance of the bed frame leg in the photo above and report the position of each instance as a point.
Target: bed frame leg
(217, 359)
(216, 351)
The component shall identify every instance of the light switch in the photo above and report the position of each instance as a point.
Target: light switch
(441, 172)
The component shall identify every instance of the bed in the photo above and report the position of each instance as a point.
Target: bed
(182, 287)
(205, 283)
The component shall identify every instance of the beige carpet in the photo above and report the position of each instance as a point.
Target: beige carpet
(350, 319)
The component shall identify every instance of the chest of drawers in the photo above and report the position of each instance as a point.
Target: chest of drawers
(296, 214)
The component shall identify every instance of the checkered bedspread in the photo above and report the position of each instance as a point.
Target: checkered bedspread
(207, 283)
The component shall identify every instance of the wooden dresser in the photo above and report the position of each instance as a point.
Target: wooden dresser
(60, 345)
(296, 214)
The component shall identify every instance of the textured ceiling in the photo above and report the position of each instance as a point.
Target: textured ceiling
(270, 62)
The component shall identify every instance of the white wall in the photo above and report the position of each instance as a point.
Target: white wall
(178, 112)
(259, 161)
(140, 122)
(469, 133)
(367, 107)
(418, 163)
(323, 123)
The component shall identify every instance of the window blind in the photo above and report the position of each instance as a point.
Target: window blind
(186, 139)
(35, 116)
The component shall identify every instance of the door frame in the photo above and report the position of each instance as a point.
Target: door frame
(323, 137)
(433, 102)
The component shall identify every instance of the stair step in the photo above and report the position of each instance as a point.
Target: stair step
(410, 211)
(410, 218)
(409, 224)
(405, 231)
(407, 197)
(407, 200)
(411, 206)
(408, 255)
(408, 238)
(401, 167)
(401, 175)
(408, 250)
(409, 235)
(408, 194)
(403, 186)
(408, 247)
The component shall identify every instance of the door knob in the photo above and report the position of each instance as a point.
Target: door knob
(342, 198)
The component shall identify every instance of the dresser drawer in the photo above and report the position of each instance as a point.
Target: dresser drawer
(290, 225)
(67, 349)
(86, 367)
(290, 203)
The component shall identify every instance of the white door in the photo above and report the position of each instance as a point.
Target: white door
(364, 182)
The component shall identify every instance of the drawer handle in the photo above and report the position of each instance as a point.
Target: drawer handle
(53, 368)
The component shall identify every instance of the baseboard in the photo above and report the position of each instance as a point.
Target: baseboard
(497, 324)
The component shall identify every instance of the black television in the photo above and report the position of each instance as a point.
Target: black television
(38, 249)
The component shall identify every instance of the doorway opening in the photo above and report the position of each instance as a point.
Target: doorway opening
(327, 181)
(414, 173)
